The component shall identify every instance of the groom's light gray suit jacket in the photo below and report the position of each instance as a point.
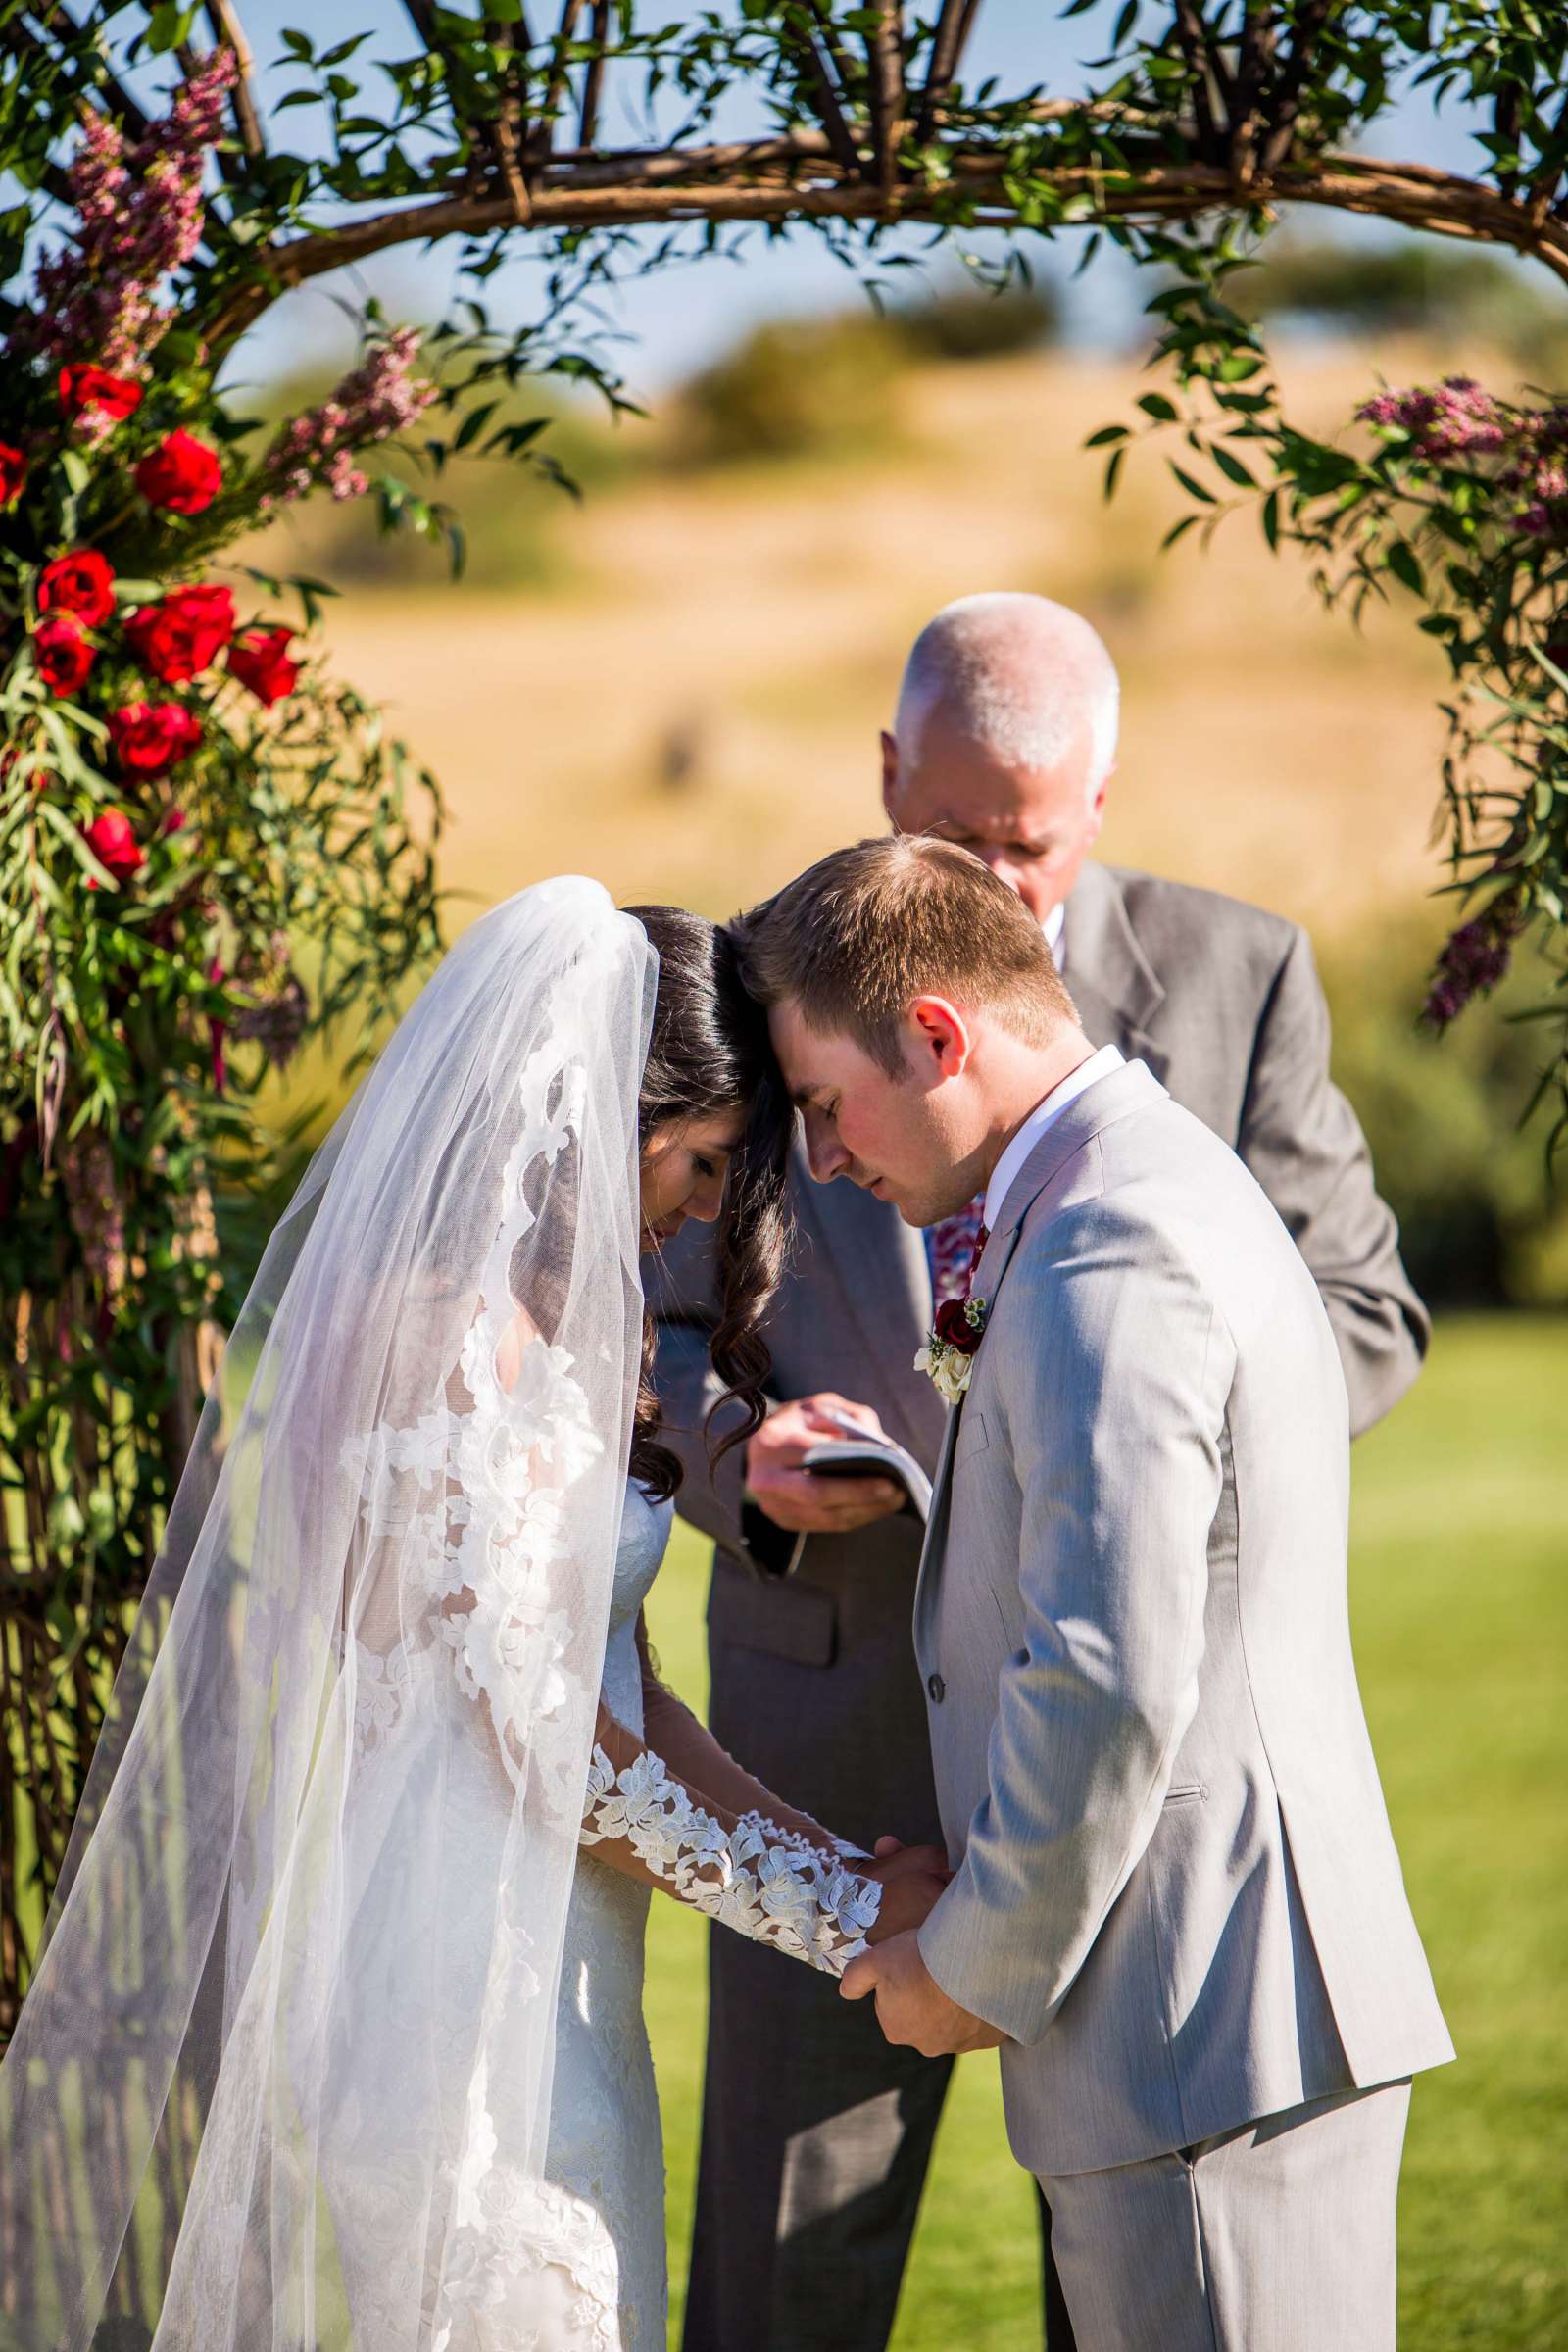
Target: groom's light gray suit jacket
(1177, 1888)
(812, 1679)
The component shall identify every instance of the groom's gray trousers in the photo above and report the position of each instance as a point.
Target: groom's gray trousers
(1276, 2237)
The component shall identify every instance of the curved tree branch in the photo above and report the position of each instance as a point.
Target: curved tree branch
(797, 176)
(229, 33)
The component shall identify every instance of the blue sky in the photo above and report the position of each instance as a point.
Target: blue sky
(676, 319)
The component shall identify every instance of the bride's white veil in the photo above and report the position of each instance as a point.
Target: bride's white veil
(243, 2107)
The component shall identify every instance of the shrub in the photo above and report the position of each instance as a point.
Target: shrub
(795, 388)
(1481, 1223)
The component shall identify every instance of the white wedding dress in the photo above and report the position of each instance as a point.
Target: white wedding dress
(575, 2264)
(606, 2149)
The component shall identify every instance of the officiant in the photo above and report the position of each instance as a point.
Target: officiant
(1003, 740)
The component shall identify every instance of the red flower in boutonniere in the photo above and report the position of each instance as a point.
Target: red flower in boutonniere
(948, 1353)
(956, 1327)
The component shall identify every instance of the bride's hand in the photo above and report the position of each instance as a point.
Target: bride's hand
(912, 1878)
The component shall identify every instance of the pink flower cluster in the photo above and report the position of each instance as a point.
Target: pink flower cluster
(140, 212)
(1448, 420)
(379, 397)
(1459, 418)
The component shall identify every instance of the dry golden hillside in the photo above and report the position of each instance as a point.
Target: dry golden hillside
(694, 713)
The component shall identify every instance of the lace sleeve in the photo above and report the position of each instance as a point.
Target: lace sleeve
(766, 1872)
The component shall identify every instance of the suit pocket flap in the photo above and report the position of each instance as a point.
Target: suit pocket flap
(971, 1437)
(782, 1619)
(1187, 1792)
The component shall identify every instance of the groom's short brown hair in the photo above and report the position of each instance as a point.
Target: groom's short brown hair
(864, 932)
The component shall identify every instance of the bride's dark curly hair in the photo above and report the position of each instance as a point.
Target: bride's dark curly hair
(709, 1054)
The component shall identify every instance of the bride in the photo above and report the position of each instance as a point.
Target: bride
(336, 2044)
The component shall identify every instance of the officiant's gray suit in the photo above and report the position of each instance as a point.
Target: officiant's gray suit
(811, 2167)
(1177, 1892)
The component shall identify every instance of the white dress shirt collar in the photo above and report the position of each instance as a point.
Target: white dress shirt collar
(1045, 1114)
(1052, 927)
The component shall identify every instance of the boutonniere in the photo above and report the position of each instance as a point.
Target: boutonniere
(950, 1350)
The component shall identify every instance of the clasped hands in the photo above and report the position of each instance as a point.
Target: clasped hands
(912, 2008)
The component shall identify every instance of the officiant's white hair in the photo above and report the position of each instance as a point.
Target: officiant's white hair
(1018, 675)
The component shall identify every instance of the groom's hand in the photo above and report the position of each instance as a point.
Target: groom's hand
(792, 1498)
(912, 2008)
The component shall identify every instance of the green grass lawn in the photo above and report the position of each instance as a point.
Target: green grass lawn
(1459, 1585)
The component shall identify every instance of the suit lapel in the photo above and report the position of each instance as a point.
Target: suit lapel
(1109, 979)
(1110, 1099)
(987, 1275)
(882, 1271)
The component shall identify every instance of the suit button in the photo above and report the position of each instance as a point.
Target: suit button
(938, 1688)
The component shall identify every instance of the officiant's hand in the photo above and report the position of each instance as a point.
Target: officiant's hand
(912, 1878)
(912, 2008)
(791, 1497)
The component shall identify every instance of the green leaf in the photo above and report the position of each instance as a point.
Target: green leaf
(169, 26)
(1191, 484)
(1155, 405)
(1106, 434)
(1231, 467)
(474, 423)
(1400, 560)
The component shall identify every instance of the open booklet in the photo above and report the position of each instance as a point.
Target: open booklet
(860, 1453)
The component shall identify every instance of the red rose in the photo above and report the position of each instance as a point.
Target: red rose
(182, 634)
(61, 653)
(955, 1329)
(260, 660)
(149, 737)
(113, 844)
(82, 583)
(182, 474)
(13, 472)
(84, 386)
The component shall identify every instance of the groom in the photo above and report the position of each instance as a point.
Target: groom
(1177, 1906)
(1005, 739)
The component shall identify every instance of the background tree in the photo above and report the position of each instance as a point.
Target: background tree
(1205, 122)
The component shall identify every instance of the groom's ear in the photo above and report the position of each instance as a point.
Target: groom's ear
(942, 1037)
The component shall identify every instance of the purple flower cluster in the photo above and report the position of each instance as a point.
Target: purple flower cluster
(276, 1021)
(379, 397)
(139, 218)
(1474, 960)
(1453, 419)
(1459, 418)
(1538, 474)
